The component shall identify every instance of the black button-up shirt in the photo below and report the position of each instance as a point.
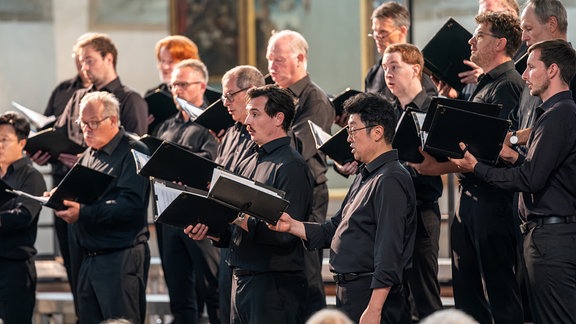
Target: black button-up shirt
(19, 216)
(133, 111)
(375, 228)
(61, 95)
(278, 165)
(314, 105)
(546, 178)
(119, 219)
(236, 146)
(188, 134)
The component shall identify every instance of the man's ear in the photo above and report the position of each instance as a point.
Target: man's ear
(278, 119)
(377, 132)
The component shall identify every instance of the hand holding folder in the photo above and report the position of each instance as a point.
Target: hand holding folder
(54, 142)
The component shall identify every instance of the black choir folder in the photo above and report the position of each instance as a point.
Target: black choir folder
(161, 105)
(335, 146)
(81, 184)
(172, 162)
(180, 206)
(52, 141)
(445, 52)
(483, 134)
(215, 117)
(5, 192)
(476, 107)
(229, 195)
(408, 136)
(338, 100)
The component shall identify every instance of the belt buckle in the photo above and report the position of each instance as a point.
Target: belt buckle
(339, 278)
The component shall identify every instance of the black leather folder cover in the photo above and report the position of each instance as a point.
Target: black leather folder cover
(477, 107)
(338, 100)
(407, 137)
(445, 52)
(483, 134)
(161, 105)
(52, 141)
(215, 117)
(338, 148)
(193, 206)
(81, 184)
(249, 199)
(152, 142)
(171, 162)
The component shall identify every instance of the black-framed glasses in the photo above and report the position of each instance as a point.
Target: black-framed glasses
(351, 131)
(230, 96)
(181, 84)
(93, 124)
(480, 34)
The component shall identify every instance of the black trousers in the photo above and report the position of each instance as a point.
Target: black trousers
(423, 277)
(113, 285)
(550, 255)
(17, 290)
(352, 298)
(191, 274)
(484, 250)
(270, 297)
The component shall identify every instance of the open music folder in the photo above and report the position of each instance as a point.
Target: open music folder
(335, 146)
(215, 117)
(180, 206)
(338, 100)
(409, 136)
(172, 162)
(161, 105)
(483, 134)
(476, 107)
(36, 119)
(81, 184)
(52, 141)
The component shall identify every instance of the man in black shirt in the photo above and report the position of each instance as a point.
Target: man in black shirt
(371, 238)
(18, 222)
(390, 24)
(112, 232)
(269, 280)
(287, 56)
(403, 65)
(190, 267)
(545, 178)
(483, 235)
(235, 146)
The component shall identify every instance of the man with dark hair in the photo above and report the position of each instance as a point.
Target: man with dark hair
(112, 232)
(18, 222)
(403, 64)
(545, 178)
(371, 238)
(269, 282)
(483, 234)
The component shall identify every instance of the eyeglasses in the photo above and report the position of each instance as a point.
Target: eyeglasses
(352, 131)
(93, 124)
(230, 96)
(7, 141)
(478, 35)
(182, 85)
(381, 34)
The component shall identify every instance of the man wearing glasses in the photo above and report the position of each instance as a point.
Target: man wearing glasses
(190, 267)
(390, 24)
(371, 238)
(111, 233)
(483, 235)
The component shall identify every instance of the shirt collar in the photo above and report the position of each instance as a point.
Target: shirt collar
(499, 70)
(368, 169)
(563, 95)
(110, 87)
(298, 87)
(114, 142)
(16, 165)
(273, 145)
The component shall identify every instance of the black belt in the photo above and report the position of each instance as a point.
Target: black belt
(549, 220)
(340, 278)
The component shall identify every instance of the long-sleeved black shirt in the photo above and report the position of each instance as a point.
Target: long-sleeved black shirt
(236, 146)
(428, 188)
(374, 230)
(133, 111)
(19, 216)
(278, 165)
(546, 177)
(188, 134)
(119, 219)
(314, 105)
(61, 95)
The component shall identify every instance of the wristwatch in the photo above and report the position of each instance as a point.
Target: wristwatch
(514, 139)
